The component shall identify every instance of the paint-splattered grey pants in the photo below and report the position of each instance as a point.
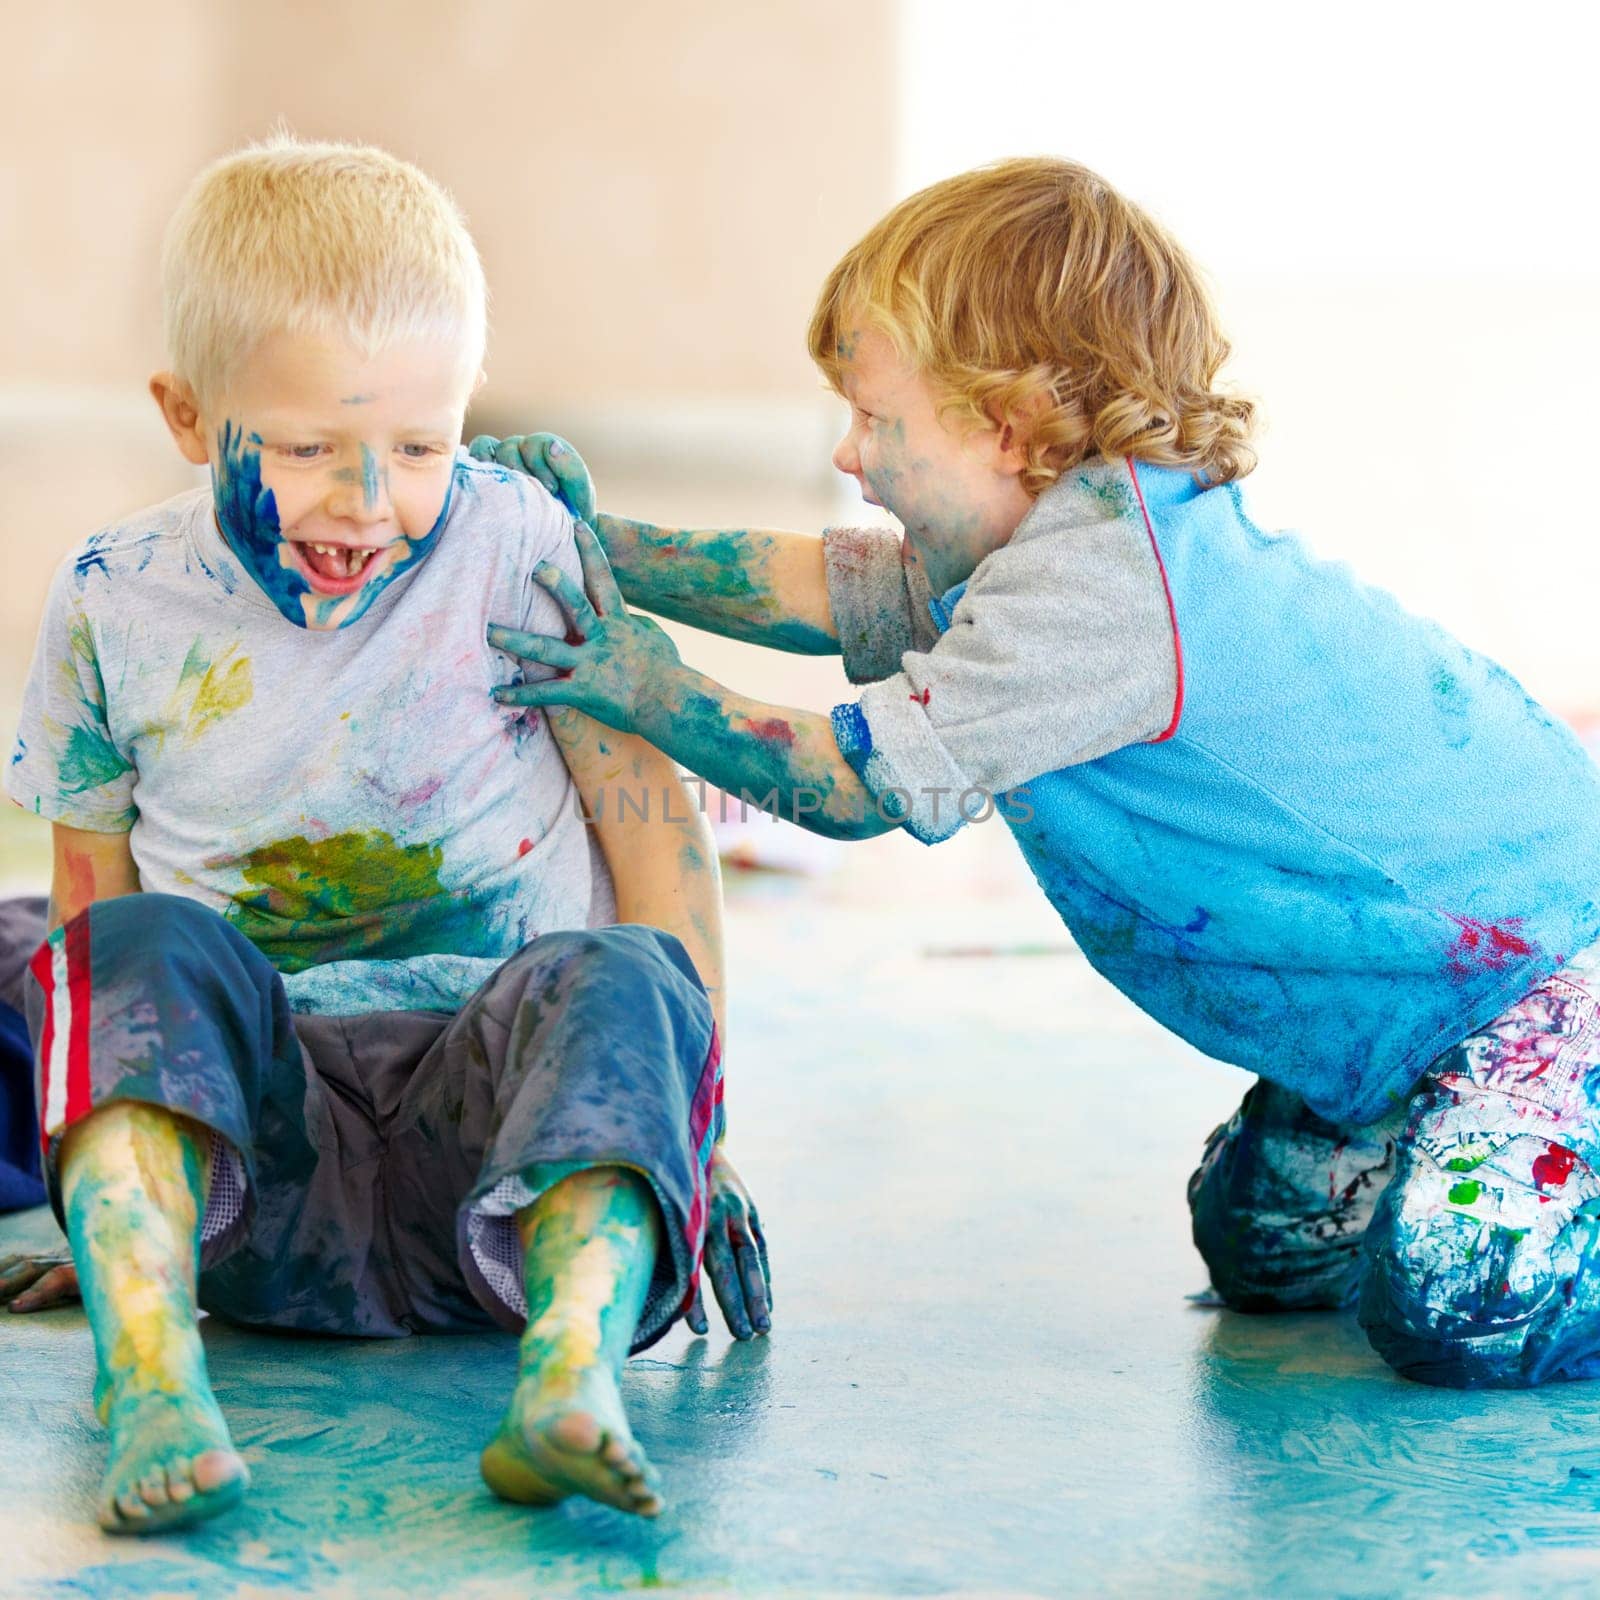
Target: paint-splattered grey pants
(367, 1169)
(1467, 1223)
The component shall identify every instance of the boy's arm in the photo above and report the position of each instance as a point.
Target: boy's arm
(767, 588)
(633, 679)
(87, 867)
(764, 587)
(663, 863)
(664, 869)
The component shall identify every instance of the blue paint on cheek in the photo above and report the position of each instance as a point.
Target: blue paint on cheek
(248, 516)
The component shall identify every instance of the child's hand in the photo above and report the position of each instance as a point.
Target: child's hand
(612, 665)
(548, 458)
(736, 1256)
(38, 1282)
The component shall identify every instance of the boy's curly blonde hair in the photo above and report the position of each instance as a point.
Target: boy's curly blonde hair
(1030, 292)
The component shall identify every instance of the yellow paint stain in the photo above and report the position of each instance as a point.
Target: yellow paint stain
(226, 687)
(140, 1243)
(208, 691)
(570, 1329)
(79, 669)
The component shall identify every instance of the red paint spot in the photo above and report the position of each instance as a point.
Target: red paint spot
(574, 637)
(1485, 944)
(1554, 1167)
(923, 698)
(523, 847)
(773, 729)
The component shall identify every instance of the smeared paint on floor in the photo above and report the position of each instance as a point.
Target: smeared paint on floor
(984, 1377)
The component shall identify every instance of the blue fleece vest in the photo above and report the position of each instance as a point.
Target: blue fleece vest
(1361, 841)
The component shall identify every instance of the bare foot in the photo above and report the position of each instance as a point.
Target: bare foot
(172, 1462)
(565, 1435)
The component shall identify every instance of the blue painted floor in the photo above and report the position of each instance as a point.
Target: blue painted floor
(985, 1379)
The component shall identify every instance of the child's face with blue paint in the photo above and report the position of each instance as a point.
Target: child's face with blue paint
(958, 491)
(330, 470)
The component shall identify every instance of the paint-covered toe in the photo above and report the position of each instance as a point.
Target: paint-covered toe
(546, 1451)
(172, 1464)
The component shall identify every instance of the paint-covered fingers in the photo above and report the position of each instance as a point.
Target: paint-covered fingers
(570, 597)
(565, 473)
(538, 647)
(549, 693)
(733, 1263)
(695, 1316)
(615, 666)
(17, 1273)
(760, 1262)
(736, 1253)
(549, 459)
(598, 577)
(58, 1287)
(38, 1282)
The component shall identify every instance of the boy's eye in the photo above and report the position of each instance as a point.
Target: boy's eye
(301, 452)
(418, 452)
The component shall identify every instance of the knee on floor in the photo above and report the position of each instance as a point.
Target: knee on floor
(1254, 1267)
(1506, 1325)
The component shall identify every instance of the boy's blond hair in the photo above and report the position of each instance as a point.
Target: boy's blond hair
(1031, 292)
(340, 240)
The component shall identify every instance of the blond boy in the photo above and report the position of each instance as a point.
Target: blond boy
(333, 1025)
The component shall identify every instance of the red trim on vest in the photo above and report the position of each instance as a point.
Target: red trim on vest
(1177, 640)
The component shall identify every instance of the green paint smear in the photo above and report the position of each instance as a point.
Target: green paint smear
(1112, 493)
(350, 895)
(1463, 1194)
(712, 577)
(88, 760)
(1464, 1163)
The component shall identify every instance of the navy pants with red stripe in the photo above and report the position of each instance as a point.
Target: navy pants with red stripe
(367, 1169)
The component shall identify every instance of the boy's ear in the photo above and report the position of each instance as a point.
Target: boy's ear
(1011, 455)
(1011, 437)
(182, 417)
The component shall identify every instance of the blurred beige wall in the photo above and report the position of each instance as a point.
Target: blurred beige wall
(656, 191)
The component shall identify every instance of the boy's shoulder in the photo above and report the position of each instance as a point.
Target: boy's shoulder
(134, 543)
(1088, 538)
(515, 504)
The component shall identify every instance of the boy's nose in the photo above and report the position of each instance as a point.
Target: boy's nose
(846, 458)
(360, 492)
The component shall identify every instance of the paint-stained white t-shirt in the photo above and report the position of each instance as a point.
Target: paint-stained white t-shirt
(353, 801)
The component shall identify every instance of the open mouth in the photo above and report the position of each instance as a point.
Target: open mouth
(337, 568)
